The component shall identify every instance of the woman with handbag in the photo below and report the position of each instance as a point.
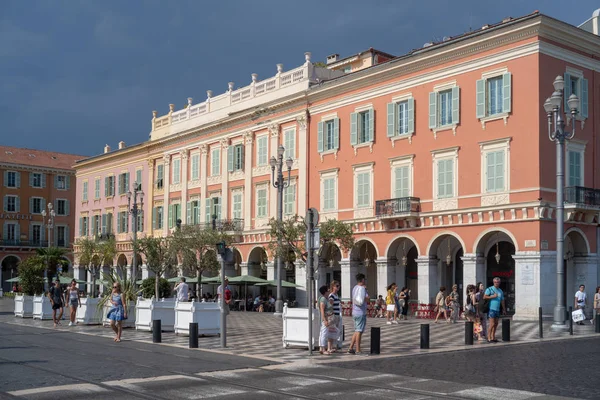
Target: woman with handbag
(480, 307)
(440, 305)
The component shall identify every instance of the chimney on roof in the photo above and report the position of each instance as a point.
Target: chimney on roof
(332, 58)
(121, 145)
(592, 24)
(106, 149)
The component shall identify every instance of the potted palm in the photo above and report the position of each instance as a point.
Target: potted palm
(31, 281)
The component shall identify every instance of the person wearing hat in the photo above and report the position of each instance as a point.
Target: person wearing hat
(226, 294)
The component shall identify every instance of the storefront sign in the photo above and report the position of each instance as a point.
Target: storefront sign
(527, 276)
(16, 216)
(502, 274)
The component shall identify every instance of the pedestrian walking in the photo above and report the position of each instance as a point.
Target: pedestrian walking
(495, 295)
(182, 289)
(360, 299)
(596, 303)
(380, 307)
(390, 302)
(327, 322)
(581, 301)
(74, 301)
(440, 305)
(226, 293)
(482, 309)
(118, 311)
(403, 298)
(453, 302)
(56, 299)
(337, 311)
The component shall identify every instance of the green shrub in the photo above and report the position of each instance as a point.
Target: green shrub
(164, 288)
(31, 275)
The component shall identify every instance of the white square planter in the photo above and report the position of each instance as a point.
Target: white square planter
(42, 308)
(295, 327)
(207, 315)
(89, 313)
(23, 306)
(127, 323)
(148, 310)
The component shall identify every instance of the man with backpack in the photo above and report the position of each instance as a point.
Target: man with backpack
(495, 297)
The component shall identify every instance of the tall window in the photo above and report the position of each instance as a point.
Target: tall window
(11, 203)
(158, 217)
(262, 150)
(36, 234)
(401, 181)
(36, 180)
(445, 178)
(61, 182)
(329, 194)
(445, 101)
(122, 222)
(84, 194)
(363, 127)
(177, 171)
(495, 95)
(235, 158)
(195, 173)
(444, 108)
(11, 179)
(11, 232)
(62, 207)
(109, 186)
(575, 173)
(289, 200)
(495, 171)
(96, 225)
(329, 135)
(37, 205)
(97, 188)
(138, 179)
(261, 204)
(123, 182)
(289, 138)
(363, 189)
(83, 226)
(402, 117)
(160, 173)
(61, 236)
(215, 162)
(237, 206)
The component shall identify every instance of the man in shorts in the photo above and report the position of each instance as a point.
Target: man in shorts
(581, 301)
(360, 299)
(495, 295)
(56, 299)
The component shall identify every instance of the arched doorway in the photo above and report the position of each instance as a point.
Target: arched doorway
(448, 249)
(402, 254)
(365, 253)
(330, 258)
(9, 271)
(500, 263)
(257, 266)
(576, 249)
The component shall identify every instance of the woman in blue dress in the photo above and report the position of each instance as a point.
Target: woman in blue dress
(117, 313)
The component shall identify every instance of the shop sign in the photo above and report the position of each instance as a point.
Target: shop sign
(26, 217)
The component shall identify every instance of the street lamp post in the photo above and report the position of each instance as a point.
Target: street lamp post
(557, 134)
(280, 183)
(49, 222)
(134, 210)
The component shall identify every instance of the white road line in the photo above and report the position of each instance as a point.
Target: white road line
(488, 392)
(77, 387)
(133, 381)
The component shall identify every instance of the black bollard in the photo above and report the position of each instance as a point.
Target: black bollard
(375, 340)
(541, 322)
(193, 335)
(343, 333)
(597, 323)
(469, 333)
(156, 331)
(506, 330)
(424, 336)
(570, 320)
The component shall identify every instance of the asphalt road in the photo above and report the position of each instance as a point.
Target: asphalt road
(569, 368)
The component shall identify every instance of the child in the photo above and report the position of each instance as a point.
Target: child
(477, 328)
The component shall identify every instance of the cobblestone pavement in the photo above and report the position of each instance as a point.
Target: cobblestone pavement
(259, 335)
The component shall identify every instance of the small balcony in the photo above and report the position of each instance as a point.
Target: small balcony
(235, 225)
(403, 211)
(582, 204)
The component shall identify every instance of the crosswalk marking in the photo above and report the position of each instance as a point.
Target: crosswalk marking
(487, 392)
(133, 381)
(83, 388)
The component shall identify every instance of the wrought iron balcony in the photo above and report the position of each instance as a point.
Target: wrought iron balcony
(394, 208)
(225, 225)
(23, 243)
(580, 195)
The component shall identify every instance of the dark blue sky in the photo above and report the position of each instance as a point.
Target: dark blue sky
(75, 75)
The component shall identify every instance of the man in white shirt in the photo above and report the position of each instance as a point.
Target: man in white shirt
(581, 301)
(182, 290)
(227, 295)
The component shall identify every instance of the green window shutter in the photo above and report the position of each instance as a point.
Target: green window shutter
(441, 178)
(411, 115)
(31, 205)
(319, 137)
(159, 171)
(499, 171)
(506, 92)
(432, 110)
(18, 204)
(450, 178)
(103, 229)
(67, 207)
(68, 182)
(67, 237)
(455, 105)
(230, 154)
(154, 218)
(371, 125)
(18, 179)
(353, 129)
(106, 186)
(80, 226)
(490, 158)
(30, 182)
(43, 181)
(119, 223)
(170, 216)
(336, 133)
(120, 180)
(567, 90)
(188, 213)
(207, 209)
(5, 178)
(584, 98)
(359, 189)
(242, 152)
(480, 87)
(391, 119)
(138, 178)
(109, 223)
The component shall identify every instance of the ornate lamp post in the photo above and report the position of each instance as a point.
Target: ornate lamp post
(280, 183)
(49, 222)
(557, 134)
(134, 210)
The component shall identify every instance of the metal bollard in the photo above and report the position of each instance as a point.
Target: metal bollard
(343, 333)
(597, 323)
(570, 320)
(541, 322)
(424, 336)
(156, 331)
(375, 340)
(506, 330)
(469, 333)
(193, 335)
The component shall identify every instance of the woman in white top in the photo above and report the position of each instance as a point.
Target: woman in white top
(74, 301)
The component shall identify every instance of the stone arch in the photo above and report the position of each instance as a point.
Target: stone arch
(122, 260)
(576, 240)
(356, 250)
(257, 262)
(482, 242)
(11, 255)
(10, 262)
(331, 252)
(395, 244)
(435, 242)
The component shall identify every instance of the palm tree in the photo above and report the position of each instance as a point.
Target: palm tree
(53, 257)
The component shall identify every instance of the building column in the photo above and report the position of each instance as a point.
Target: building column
(184, 184)
(535, 283)
(166, 189)
(302, 164)
(224, 180)
(274, 135)
(203, 177)
(474, 270)
(300, 278)
(248, 189)
(146, 273)
(386, 271)
(349, 271)
(244, 268)
(271, 272)
(149, 191)
(427, 268)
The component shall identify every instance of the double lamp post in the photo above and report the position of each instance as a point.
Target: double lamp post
(557, 134)
(49, 225)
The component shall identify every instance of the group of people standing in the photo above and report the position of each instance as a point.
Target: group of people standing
(59, 298)
(396, 304)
